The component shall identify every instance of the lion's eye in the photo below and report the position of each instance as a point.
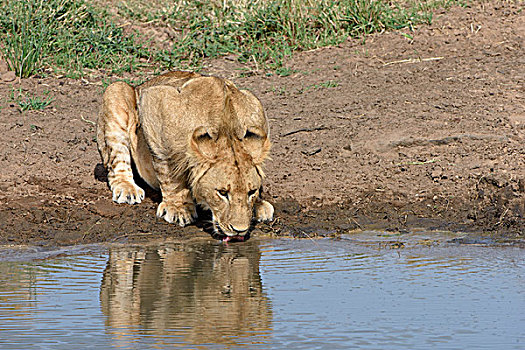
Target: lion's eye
(223, 193)
(251, 193)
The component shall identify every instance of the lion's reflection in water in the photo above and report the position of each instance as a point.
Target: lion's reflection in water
(199, 292)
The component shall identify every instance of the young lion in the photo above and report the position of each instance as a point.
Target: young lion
(198, 139)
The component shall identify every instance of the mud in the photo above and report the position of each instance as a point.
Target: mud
(393, 133)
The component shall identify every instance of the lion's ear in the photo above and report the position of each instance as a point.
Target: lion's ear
(257, 144)
(204, 143)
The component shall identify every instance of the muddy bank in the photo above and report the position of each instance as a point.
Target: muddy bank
(395, 133)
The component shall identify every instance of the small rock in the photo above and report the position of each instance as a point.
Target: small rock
(311, 151)
(8, 76)
(106, 208)
(436, 174)
(3, 66)
(101, 173)
(521, 185)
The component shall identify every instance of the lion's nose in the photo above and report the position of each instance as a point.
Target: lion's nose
(238, 231)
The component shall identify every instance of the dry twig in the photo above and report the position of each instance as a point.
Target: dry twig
(414, 60)
(304, 130)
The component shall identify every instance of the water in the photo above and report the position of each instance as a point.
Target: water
(354, 292)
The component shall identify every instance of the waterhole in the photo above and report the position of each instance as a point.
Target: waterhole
(366, 291)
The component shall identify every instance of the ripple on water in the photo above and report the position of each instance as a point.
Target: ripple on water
(293, 294)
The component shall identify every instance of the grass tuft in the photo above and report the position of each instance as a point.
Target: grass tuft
(267, 32)
(67, 36)
(34, 103)
(72, 37)
(30, 102)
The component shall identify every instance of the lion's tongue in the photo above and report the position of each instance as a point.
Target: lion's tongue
(233, 238)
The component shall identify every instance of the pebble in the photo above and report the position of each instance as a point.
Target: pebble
(3, 66)
(8, 76)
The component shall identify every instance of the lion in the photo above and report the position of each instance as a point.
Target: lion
(195, 291)
(198, 139)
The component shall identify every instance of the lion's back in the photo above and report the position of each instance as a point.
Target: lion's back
(175, 79)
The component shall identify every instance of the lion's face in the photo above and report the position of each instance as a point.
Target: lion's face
(230, 190)
(226, 174)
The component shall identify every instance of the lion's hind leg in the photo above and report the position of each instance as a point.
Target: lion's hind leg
(116, 130)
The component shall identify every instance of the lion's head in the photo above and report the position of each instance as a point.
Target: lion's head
(228, 180)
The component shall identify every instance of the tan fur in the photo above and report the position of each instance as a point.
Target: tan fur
(154, 288)
(200, 140)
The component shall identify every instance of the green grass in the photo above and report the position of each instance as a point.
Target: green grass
(265, 33)
(279, 90)
(64, 36)
(327, 84)
(34, 103)
(284, 71)
(72, 37)
(28, 102)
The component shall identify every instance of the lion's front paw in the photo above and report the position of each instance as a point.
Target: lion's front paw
(264, 211)
(127, 192)
(183, 214)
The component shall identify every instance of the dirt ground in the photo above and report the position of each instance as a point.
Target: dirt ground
(396, 133)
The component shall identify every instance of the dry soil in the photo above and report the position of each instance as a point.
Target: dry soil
(394, 133)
